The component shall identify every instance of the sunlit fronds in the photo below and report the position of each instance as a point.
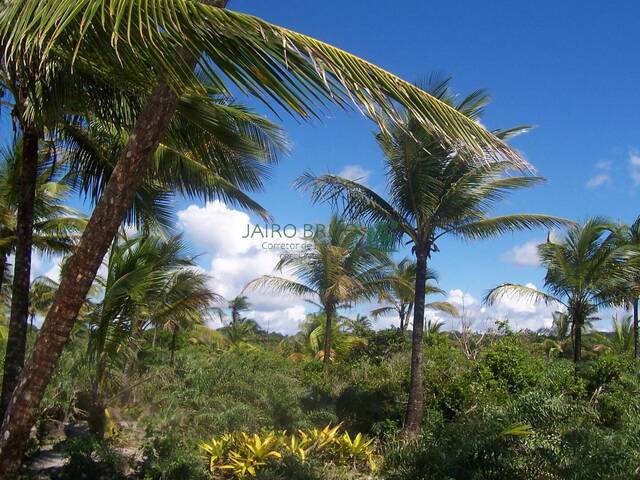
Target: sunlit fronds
(496, 226)
(277, 65)
(523, 292)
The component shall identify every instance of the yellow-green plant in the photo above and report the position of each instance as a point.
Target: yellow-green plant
(297, 445)
(321, 438)
(357, 449)
(216, 450)
(260, 449)
(241, 455)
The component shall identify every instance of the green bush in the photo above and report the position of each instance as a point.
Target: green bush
(169, 457)
(511, 365)
(89, 458)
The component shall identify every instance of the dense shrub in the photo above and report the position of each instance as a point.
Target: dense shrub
(511, 365)
(88, 458)
(169, 457)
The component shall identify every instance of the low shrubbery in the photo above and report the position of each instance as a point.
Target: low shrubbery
(240, 455)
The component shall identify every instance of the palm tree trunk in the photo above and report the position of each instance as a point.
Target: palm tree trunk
(416, 392)
(174, 335)
(402, 314)
(577, 341)
(17, 339)
(636, 334)
(3, 267)
(81, 270)
(329, 312)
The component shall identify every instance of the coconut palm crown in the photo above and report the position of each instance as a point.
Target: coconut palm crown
(401, 294)
(586, 270)
(340, 268)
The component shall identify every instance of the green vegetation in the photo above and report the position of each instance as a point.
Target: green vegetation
(127, 104)
(514, 412)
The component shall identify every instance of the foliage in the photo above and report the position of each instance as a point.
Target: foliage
(90, 458)
(243, 455)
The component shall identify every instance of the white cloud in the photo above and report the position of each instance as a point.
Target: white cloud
(604, 165)
(524, 255)
(599, 180)
(237, 260)
(356, 173)
(634, 166)
(461, 299)
(521, 313)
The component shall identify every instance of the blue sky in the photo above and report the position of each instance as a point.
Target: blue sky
(567, 67)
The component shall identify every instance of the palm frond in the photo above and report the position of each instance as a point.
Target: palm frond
(274, 64)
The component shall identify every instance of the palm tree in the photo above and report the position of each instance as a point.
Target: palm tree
(276, 65)
(561, 333)
(623, 334)
(43, 289)
(360, 325)
(434, 191)
(220, 150)
(585, 271)
(39, 95)
(308, 343)
(55, 230)
(238, 305)
(630, 235)
(401, 294)
(339, 268)
(149, 281)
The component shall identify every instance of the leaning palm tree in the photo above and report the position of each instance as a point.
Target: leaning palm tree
(585, 272)
(401, 294)
(133, 41)
(434, 191)
(219, 150)
(341, 267)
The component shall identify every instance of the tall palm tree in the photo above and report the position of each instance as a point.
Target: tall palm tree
(39, 95)
(435, 191)
(585, 271)
(278, 66)
(630, 235)
(339, 268)
(401, 294)
(55, 230)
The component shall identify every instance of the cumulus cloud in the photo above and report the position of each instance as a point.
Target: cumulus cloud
(602, 177)
(525, 255)
(461, 299)
(521, 313)
(237, 258)
(356, 173)
(599, 180)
